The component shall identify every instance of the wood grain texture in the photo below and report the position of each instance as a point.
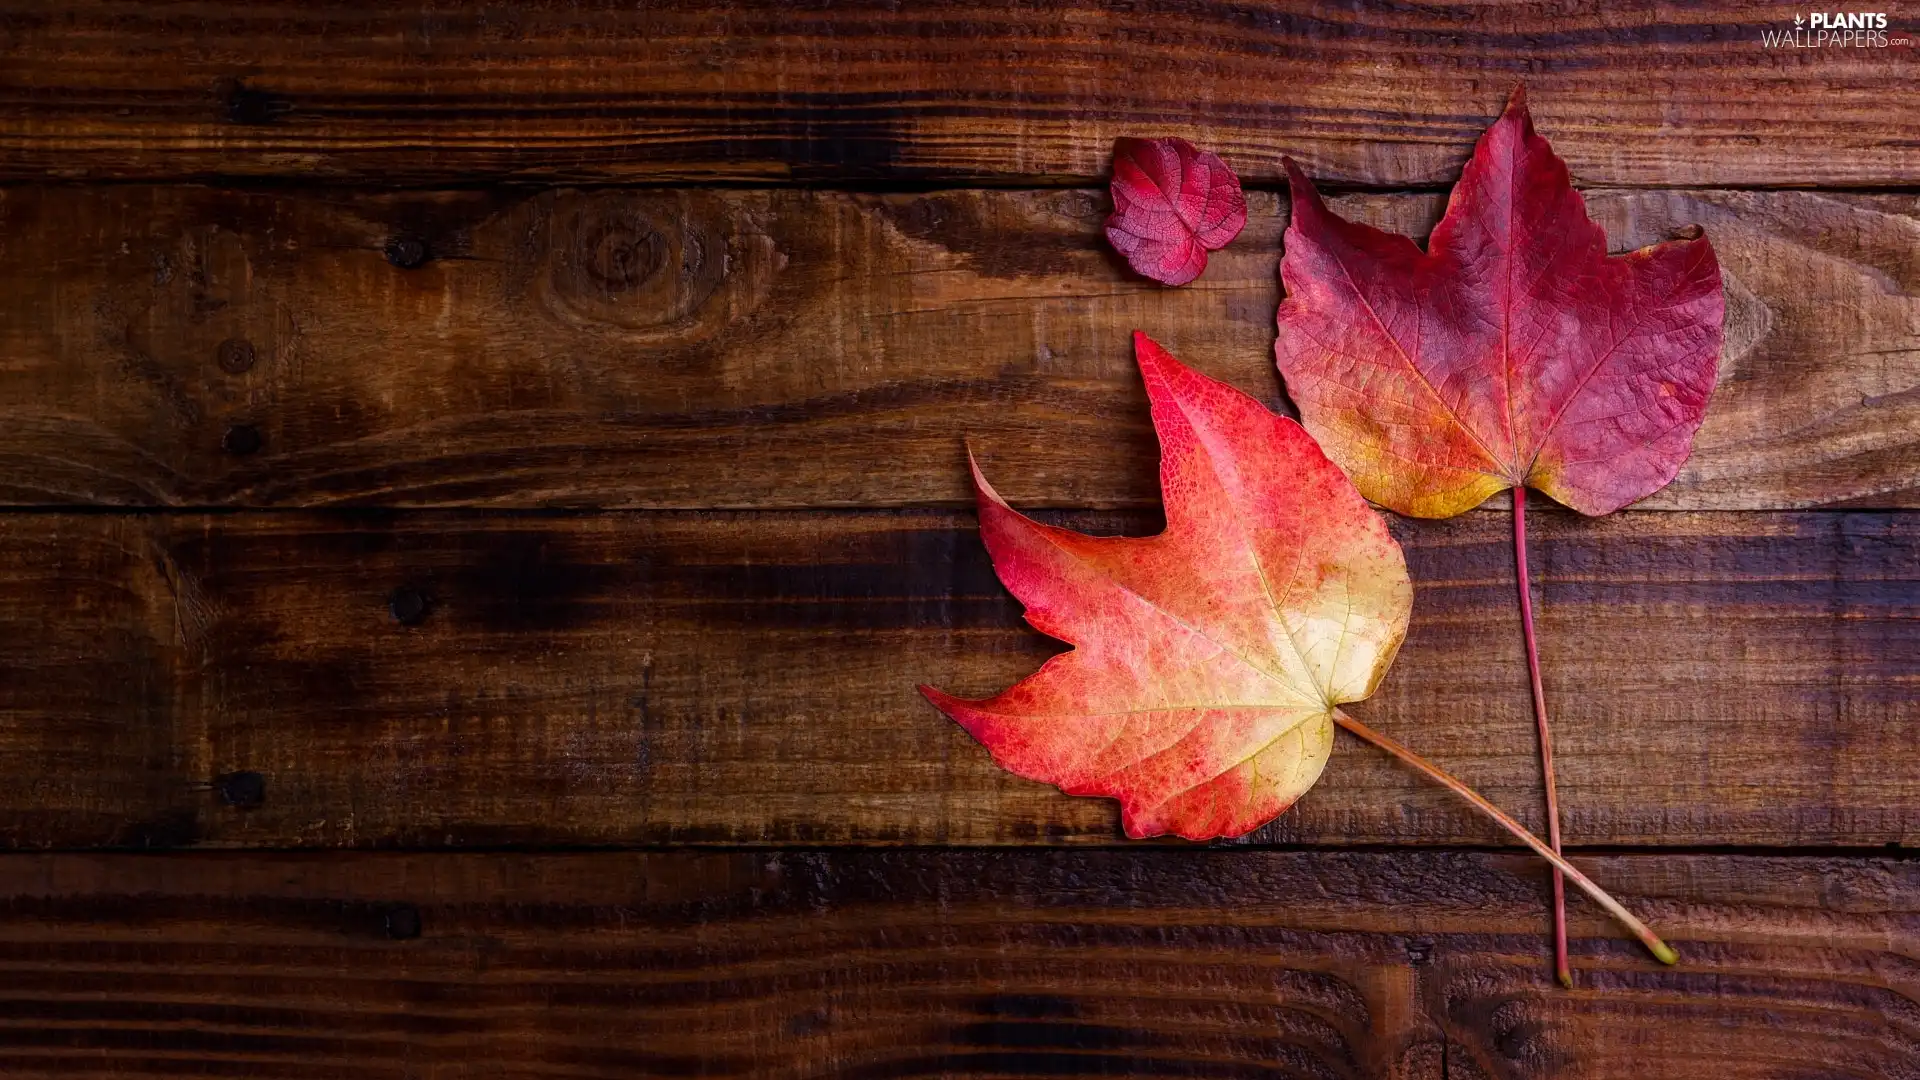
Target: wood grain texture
(688, 349)
(1231, 965)
(1640, 92)
(748, 678)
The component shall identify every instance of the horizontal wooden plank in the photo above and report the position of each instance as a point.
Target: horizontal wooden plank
(427, 679)
(1411, 966)
(1637, 92)
(688, 349)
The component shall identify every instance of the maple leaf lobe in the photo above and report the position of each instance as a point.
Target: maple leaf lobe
(1208, 659)
(1172, 203)
(1512, 351)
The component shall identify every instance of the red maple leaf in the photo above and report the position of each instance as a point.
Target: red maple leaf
(1512, 352)
(1172, 203)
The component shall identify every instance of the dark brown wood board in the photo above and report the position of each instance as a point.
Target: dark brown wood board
(1236, 965)
(748, 678)
(480, 482)
(165, 346)
(1392, 95)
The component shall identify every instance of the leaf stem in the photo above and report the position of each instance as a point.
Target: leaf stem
(1560, 968)
(1660, 949)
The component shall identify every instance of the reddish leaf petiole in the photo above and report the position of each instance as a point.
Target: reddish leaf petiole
(1660, 949)
(1560, 968)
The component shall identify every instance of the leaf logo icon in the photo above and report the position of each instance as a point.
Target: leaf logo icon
(1799, 21)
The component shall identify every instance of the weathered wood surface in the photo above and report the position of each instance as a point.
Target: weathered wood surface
(748, 678)
(1409, 966)
(181, 346)
(1639, 92)
(696, 674)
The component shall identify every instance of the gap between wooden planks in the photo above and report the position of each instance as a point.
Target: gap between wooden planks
(1238, 965)
(456, 679)
(1634, 92)
(168, 346)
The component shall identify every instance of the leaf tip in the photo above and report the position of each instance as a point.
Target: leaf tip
(1147, 353)
(1127, 146)
(953, 707)
(983, 492)
(1160, 370)
(1664, 953)
(1517, 114)
(1300, 189)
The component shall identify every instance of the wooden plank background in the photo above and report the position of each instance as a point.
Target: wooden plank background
(748, 678)
(1232, 964)
(513, 454)
(690, 349)
(1635, 92)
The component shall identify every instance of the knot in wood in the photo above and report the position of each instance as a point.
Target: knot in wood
(235, 356)
(241, 440)
(407, 606)
(656, 265)
(241, 790)
(401, 922)
(407, 252)
(623, 253)
(247, 105)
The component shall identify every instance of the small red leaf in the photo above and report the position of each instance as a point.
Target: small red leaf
(1172, 204)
